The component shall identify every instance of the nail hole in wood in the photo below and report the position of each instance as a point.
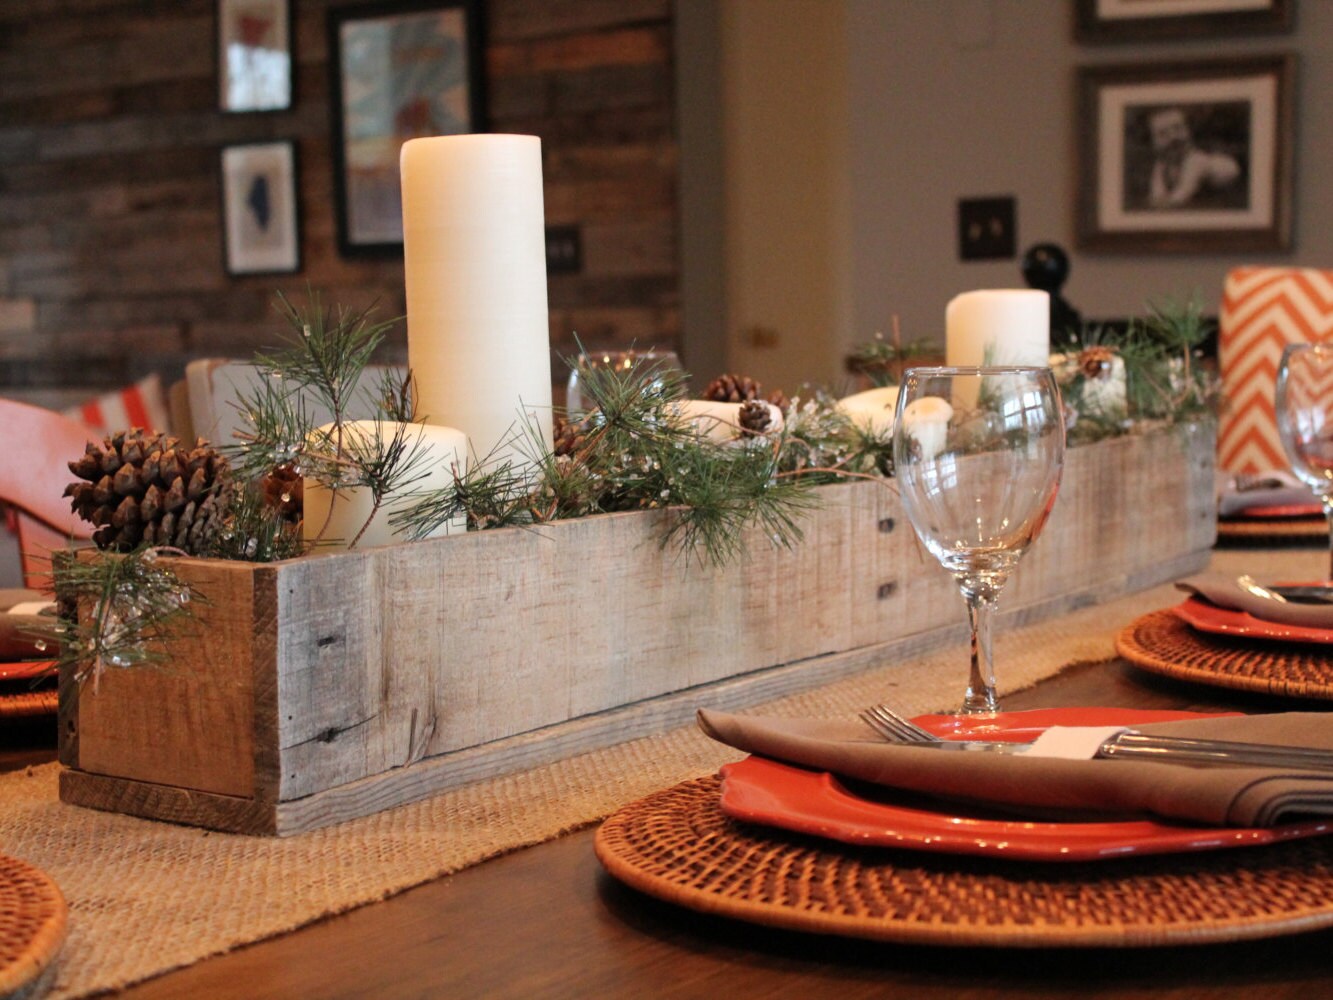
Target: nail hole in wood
(887, 589)
(886, 524)
(327, 640)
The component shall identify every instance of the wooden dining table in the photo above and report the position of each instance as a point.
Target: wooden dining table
(547, 921)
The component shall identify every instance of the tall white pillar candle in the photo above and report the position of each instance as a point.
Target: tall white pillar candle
(474, 245)
(1007, 326)
(439, 451)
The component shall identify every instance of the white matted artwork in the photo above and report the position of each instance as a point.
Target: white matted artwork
(1098, 21)
(259, 208)
(1187, 157)
(254, 55)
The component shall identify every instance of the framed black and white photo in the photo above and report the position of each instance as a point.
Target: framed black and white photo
(254, 55)
(1186, 157)
(1097, 21)
(400, 70)
(261, 221)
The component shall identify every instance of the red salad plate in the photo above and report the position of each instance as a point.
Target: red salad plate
(1206, 617)
(758, 790)
(26, 670)
(1283, 510)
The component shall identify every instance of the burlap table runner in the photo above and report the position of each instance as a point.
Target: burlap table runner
(146, 897)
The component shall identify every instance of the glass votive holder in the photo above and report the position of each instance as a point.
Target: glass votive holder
(577, 401)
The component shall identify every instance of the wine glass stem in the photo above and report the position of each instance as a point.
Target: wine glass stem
(980, 697)
(1327, 502)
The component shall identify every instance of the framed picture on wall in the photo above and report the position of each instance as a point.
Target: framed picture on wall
(261, 221)
(400, 71)
(1186, 157)
(254, 55)
(1097, 21)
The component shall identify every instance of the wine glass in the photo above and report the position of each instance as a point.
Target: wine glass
(978, 453)
(576, 401)
(1304, 406)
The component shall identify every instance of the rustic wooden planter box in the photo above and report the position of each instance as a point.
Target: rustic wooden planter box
(335, 686)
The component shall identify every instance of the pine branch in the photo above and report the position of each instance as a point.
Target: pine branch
(327, 351)
(125, 606)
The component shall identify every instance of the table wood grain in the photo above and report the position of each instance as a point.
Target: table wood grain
(548, 922)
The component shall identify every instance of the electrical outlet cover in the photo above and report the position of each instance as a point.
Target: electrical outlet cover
(986, 228)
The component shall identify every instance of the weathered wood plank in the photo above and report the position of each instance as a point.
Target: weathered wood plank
(188, 722)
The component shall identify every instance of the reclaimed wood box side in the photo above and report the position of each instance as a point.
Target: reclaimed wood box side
(373, 678)
(184, 738)
(489, 635)
(1131, 511)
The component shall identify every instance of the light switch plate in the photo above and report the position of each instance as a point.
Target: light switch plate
(987, 228)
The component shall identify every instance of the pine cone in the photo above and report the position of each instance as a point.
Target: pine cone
(570, 435)
(1095, 362)
(283, 490)
(779, 399)
(138, 488)
(732, 389)
(755, 416)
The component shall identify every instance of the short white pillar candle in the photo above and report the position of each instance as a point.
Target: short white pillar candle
(336, 516)
(1003, 326)
(872, 410)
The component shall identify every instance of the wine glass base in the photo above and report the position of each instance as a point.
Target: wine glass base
(984, 703)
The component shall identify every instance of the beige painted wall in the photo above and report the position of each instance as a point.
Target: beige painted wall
(784, 104)
(940, 99)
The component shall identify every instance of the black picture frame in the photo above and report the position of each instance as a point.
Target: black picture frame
(1098, 22)
(1186, 157)
(256, 56)
(261, 213)
(398, 71)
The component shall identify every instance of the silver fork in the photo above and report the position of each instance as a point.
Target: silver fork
(1127, 744)
(894, 727)
(1247, 482)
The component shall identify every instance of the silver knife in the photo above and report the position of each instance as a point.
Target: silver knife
(1169, 750)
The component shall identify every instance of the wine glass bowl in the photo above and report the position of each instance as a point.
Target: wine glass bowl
(1304, 409)
(978, 453)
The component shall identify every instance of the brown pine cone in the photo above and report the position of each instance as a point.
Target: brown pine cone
(570, 435)
(1095, 362)
(136, 488)
(283, 489)
(755, 416)
(732, 389)
(779, 399)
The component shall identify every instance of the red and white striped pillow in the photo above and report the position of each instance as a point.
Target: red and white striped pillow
(142, 404)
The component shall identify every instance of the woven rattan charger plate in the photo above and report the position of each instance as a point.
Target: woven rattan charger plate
(1162, 643)
(678, 846)
(26, 704)
(32, 929)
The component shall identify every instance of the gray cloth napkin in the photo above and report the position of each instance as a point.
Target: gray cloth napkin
(1289, 492)
(1226, 592)
(1219, 796)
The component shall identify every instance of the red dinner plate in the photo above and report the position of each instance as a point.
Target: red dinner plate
(1284, 510)
(1208, 617)
(758, 790)
(23, 670)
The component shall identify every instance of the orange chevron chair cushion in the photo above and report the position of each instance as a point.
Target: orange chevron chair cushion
(1263, 310)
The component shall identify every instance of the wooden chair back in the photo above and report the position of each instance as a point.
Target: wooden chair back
(33, 477)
